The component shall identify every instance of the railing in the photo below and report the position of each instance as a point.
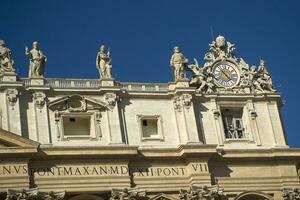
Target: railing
(94, 83)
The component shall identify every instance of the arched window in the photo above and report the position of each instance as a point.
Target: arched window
(253, 196)
(86, 197)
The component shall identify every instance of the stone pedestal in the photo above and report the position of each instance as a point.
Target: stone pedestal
(107, 82)
(37, 81)
(182, 83)
(9, 77)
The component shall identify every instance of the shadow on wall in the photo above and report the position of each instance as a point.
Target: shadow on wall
(198, 109)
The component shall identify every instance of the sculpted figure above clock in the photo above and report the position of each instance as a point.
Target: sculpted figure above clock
(223, 72)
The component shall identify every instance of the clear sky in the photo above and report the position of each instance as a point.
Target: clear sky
(142, 34)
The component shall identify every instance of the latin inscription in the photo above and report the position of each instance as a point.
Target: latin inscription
(100, 170)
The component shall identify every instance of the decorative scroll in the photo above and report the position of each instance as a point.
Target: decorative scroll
(184, 100)
(204, 193)
(12, 96)
(128, 194)
(39, 99)
(33, 194)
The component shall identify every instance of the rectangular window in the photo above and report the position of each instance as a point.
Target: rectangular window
(76, 125)
(233, 123)
(150, 127)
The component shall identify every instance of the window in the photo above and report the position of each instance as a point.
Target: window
(150, 127)
(76, 125)
(233, 123)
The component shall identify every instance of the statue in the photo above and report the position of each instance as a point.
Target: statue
(179, 64)
(103, 63)
(202, 77)
(222, 49)
(264, 77)
(6, 62)
(37, 61)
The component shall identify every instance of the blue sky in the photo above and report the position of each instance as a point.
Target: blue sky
(142, 34)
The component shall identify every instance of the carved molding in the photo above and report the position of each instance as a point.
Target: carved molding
(34, 194)
(128, 194)
(39, 99)
(253, 114)
(291, 194)
(12, 96)
(76, 103)
(204, 193)
(182, 101)
(216, 114)
(111, 99)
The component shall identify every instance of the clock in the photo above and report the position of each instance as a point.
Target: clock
(226, 75)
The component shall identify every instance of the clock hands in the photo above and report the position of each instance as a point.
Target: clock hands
(226, 75)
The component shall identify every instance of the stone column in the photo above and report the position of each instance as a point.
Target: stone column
(41, 117)
(219, 130)
(253, 123)
(114, 126)
(12, 111)
(186, 124)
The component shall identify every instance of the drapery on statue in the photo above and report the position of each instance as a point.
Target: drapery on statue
(264, 77)
(179, 64)
(103, 63)
(37, 61)
(6, 62)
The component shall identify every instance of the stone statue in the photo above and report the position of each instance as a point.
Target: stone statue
(103, 63)
(264, 77)
(201, 78)
(6, 62)
(179, 64)
(222, 49)
(37, 61)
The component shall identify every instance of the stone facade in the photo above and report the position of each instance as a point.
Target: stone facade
(216, 134)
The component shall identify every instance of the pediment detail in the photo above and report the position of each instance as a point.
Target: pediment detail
(77, 103)
(8, 139)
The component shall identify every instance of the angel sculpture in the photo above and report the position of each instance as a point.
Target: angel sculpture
(201, 79)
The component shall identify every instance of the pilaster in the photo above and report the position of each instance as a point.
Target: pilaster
(114, 125)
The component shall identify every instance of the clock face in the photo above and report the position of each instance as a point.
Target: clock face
(226, 75)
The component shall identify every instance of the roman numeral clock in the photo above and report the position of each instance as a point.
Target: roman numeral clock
(226, 74)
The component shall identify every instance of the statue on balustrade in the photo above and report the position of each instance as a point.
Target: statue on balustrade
(103, 63)
(264, 77)
(6, 62)
(37, 61)
(179, 64)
